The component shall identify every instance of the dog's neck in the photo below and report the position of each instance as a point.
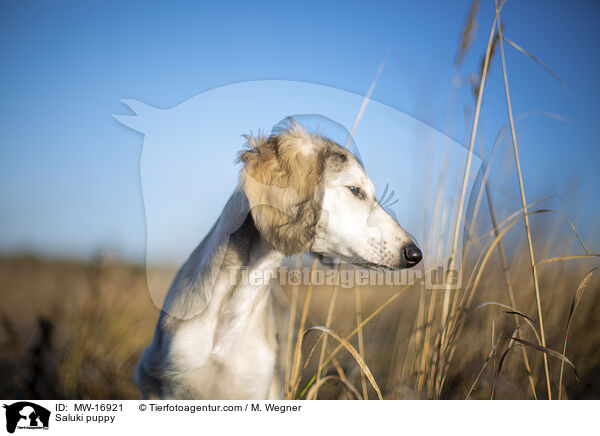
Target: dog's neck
(249, 252)
(249, 264)
(219, 269)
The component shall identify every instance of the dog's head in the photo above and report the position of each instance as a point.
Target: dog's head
(307, 193)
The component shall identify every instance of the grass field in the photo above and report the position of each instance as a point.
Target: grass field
(75, 330)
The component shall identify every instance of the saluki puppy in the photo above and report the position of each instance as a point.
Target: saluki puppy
(299, 192)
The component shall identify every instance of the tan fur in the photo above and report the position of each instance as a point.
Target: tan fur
(281, 178)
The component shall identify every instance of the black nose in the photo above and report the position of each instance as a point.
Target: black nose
(412, 254)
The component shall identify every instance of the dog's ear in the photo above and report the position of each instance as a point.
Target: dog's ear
(281, 178)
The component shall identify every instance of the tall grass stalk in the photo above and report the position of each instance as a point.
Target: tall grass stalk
(509, 287)
(446, 323)
(536, 284)
(576, 299)
(328, 321)
(463, 191)
(361, 343)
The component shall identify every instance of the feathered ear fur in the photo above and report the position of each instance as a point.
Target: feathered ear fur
(281, 178)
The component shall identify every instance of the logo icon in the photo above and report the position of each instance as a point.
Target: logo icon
(26, 415)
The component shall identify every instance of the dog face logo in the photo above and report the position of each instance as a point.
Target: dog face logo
(186, 172)
(26, 415)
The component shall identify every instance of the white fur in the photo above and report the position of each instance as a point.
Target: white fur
(215, 340)
(355, 230)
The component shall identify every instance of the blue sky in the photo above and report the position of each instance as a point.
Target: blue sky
(69, 172)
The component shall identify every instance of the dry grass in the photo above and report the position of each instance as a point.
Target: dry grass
(75, 330)
(71, 329)
(96, 318)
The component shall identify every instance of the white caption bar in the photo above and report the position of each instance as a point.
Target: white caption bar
(297, 417)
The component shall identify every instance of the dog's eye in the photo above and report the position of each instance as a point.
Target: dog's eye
(356, 192)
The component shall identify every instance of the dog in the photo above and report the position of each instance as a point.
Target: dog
(299, 192)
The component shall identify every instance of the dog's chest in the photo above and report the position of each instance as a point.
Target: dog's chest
(231, 351)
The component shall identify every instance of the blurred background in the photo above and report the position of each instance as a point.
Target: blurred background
(76, 308)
